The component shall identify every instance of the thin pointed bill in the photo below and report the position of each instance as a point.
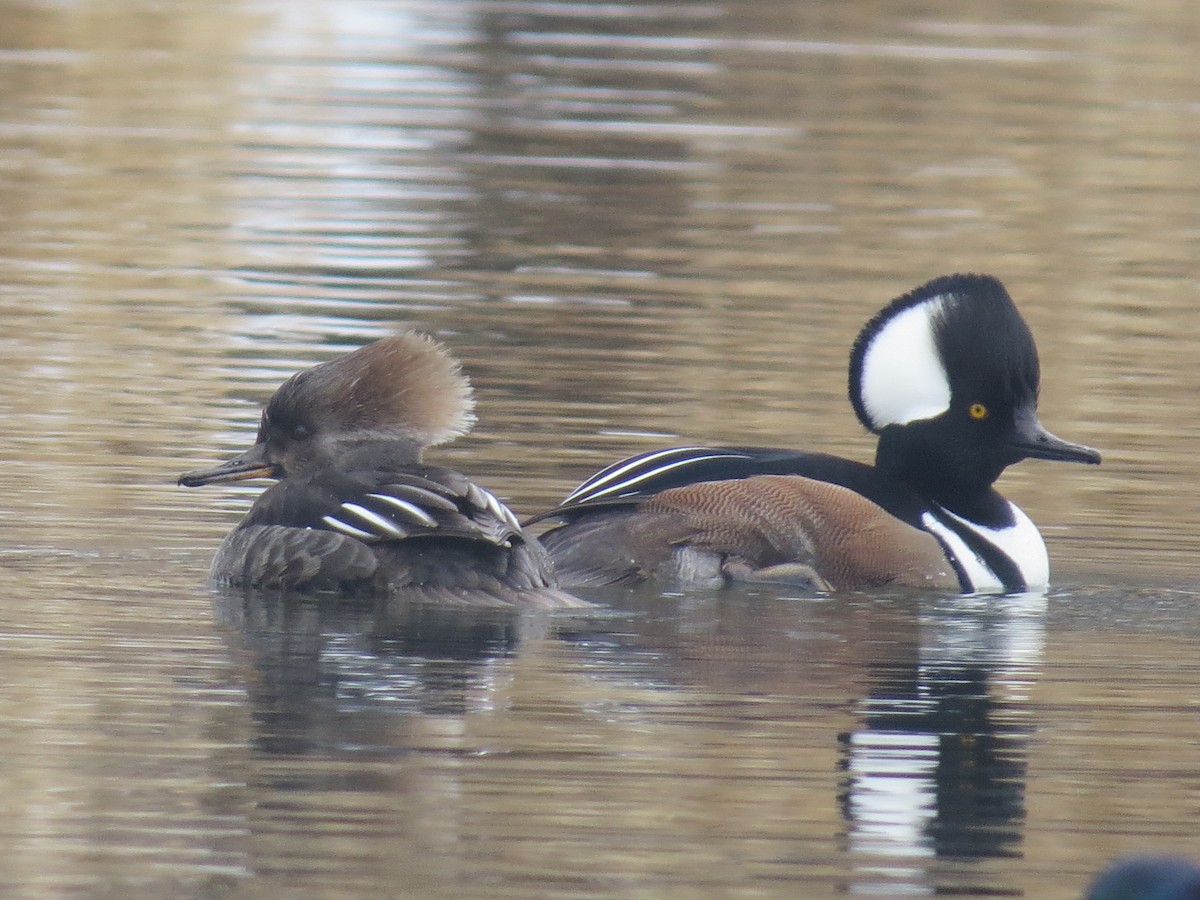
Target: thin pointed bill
(251, 464)
(1035, 442)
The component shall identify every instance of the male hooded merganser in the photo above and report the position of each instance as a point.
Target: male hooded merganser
(355, 509)
(947, 376)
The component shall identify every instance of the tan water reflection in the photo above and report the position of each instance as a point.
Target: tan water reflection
(635, 224)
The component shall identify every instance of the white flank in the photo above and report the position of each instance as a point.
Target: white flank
(903, 379)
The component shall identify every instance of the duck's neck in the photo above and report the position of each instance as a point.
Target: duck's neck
(992, 544)
(951, 484)
(376, 454)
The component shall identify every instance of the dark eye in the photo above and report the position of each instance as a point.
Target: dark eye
(300, 432)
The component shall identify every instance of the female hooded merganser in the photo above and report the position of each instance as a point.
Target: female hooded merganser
(947, 376)
(355, 509)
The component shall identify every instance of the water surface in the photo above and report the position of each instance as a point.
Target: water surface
(636, 224)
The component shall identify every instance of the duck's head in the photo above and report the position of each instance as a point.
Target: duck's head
(947, 375)
(383, 403)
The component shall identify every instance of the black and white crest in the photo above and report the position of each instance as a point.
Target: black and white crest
(956, 337)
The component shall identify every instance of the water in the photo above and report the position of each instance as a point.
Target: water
(636, 224)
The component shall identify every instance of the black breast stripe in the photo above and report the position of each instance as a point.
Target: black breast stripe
(1006, 570)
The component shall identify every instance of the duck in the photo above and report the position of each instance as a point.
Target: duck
(1147, 877)
(354, 509)
(946, 376)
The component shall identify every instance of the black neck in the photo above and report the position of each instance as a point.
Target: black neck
(941, 477)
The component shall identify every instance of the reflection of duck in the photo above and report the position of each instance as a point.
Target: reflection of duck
(936, 763)
(356, 509)
(947, 376)
(337, 675)
(1148, 878)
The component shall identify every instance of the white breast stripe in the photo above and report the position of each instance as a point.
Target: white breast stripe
(346, 528)
(382, 524)
(1021, 542)
(411, 510)
(981, 578)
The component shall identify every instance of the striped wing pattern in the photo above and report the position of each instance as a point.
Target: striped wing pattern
(410, 505)
(648, 473)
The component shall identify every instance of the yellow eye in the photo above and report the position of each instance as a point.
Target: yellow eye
(978, 411)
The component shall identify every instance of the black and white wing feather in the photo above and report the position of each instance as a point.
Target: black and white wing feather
(633, 479)
(336, 529)
(421, 505)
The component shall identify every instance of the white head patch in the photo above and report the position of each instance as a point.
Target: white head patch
(903, 378)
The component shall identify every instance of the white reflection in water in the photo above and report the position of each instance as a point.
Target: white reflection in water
(936, 767)
(632, 238)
